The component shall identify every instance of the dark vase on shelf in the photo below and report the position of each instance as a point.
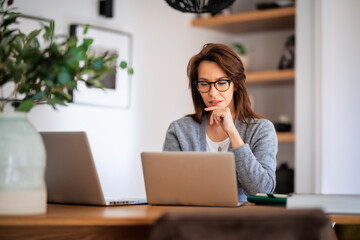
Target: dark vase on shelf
(284, 179)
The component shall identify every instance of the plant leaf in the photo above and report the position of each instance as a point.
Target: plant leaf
(11, 19)
(26, 105)
(240, 48)
(62, 96)
(49, 30)
(33, 34)
(98, 64)
(131, 71)
(52, 28)
(112, 58)
(86, 28)
(72, 85)
(8, 32)
(86, 43)
(123, 64)
(39, 95)
(64, 76)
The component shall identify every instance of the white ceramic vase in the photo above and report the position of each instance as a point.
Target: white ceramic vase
(22, 167)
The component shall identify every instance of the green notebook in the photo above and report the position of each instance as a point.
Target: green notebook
(268, 199)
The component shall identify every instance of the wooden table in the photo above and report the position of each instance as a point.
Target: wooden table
(122, 222)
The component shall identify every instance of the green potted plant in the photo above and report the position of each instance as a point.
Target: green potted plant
(36, 74)
(242, 52)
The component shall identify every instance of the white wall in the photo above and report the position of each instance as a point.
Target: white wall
(327, 97)
(163, 43)
(304, 98)
(340, 97)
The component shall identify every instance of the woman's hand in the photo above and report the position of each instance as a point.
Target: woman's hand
(224, 118)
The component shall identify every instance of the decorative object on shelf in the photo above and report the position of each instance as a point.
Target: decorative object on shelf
(276, 4)
(245, 58)
(117, 84)
(283, 124)
(284, 179)
(200, 6)
(287, 59)
(36, 72)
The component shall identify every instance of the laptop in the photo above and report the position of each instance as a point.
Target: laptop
(71, 175)
(190, 178)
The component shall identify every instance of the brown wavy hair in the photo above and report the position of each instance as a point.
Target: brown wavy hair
(231, 64)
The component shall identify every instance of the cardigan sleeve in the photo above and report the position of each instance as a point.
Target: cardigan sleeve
(256, 165)
(171, 140)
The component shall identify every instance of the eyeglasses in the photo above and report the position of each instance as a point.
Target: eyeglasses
(220, 85)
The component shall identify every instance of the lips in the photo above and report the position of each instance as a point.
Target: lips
(215, 102)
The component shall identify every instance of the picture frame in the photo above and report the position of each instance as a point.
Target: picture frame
(117, 92)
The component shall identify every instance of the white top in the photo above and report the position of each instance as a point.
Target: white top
(222, 146)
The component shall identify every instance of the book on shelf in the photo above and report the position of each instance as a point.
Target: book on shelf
(329, 203)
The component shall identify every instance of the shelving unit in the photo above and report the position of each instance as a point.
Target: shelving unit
(255, 21)
(271, 76)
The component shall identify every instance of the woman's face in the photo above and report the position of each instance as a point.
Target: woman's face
(211, 72)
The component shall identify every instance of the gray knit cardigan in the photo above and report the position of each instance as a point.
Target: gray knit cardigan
(255, 161)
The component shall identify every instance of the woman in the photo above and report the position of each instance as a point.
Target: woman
(224, 121)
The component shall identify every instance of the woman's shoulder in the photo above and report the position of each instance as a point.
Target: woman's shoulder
(262, 125)
(185, 122)
(184, 126)
(259, 121)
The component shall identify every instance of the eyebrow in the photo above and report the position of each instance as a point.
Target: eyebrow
(220, 78)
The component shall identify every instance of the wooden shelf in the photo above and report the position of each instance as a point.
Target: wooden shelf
(260, 20)
(286, 137)
(271, 76)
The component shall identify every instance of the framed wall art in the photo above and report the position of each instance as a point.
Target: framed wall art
(118, 85)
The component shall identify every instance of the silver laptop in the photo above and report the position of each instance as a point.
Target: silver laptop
(71, 175)
(190, 178)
